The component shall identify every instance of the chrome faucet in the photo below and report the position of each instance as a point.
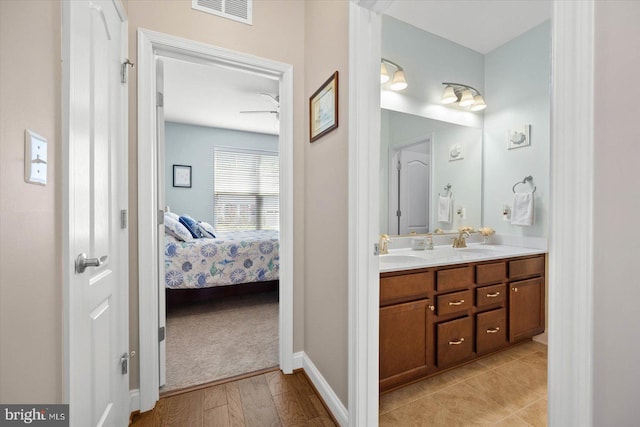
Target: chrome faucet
(383, 245)
(460, 241)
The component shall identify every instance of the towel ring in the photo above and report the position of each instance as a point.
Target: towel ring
(447, 190)
(524, 181)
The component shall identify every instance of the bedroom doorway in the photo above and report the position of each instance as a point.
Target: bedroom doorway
(220, 129)
(155, 48)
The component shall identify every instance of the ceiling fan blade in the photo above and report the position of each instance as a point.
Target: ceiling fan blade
(260, 111)
(273, 98)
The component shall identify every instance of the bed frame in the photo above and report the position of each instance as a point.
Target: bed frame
(184, 296)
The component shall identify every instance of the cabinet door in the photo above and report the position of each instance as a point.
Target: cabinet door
(405, 344)
(526, 309)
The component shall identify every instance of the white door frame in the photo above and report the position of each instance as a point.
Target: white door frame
(150, 45)
(570, 285)
(120, 169)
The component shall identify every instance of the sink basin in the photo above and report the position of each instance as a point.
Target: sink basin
(478, 251)
(400, 260)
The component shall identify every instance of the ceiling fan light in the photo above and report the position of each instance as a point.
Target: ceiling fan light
(466, 99)
(478, 103)
(384, 74)
(399, 82)
(449, 95)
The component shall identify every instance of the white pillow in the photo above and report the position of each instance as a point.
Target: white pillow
(177, 230)
(172, 215)
(206, 230)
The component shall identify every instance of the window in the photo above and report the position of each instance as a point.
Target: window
(246, 190)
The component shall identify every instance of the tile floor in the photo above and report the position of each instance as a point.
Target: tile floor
(506, 389)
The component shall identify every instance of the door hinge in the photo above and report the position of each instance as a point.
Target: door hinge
(124, 363)
(160, 216)
(399, 166)
(159, 99)
(123, 218)
(376, 249)
(398, 213)
(161, 334)
(123, 70)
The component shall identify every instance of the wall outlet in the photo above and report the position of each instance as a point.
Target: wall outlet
(506, 212)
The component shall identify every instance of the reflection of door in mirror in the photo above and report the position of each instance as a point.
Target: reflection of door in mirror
(409, 184)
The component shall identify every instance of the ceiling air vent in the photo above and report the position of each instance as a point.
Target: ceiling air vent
(238, 10)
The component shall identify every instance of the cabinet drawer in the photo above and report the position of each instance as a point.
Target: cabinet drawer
(526, 267)
(454, 278)
(454, 303)
(407, 287)
(491, 273)
(491, 295)
(455, 341)
(491, 330)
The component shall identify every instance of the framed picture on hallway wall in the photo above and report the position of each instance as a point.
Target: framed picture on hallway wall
(323, 109)
(182, 176)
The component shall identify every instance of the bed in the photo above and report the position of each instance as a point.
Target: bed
(230, 258)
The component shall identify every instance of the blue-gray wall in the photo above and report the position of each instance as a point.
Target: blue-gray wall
(518, 92)
(193, 145)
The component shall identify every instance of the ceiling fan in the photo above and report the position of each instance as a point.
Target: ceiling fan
(275, 99)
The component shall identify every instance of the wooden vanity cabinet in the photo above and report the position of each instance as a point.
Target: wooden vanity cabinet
(435, 318)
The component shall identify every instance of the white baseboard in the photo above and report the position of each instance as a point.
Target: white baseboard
(298, 360)
(134, 400)
(336, 407)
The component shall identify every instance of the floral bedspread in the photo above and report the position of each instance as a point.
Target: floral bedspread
(229, 259)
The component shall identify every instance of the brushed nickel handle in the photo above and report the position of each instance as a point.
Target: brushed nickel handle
(494, 330)
(459, 302)
(82, 262)
(458, 342)
(493, 295)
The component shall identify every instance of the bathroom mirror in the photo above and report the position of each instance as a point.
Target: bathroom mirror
(440, 145)
(421, 159)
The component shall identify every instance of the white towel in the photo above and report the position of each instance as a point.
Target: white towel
(445, 209)
(522, 211)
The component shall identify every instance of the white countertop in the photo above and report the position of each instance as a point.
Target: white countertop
(408, 259)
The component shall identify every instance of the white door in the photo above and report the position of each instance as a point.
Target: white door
(414, 192)
(409, 188)
(97, 295)
(162, 315)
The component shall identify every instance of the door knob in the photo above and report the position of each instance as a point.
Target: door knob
(82, 262)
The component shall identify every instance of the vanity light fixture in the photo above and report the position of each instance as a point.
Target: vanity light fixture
(398, 79)
(464, 95)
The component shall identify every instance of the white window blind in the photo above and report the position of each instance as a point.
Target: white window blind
(246, 190)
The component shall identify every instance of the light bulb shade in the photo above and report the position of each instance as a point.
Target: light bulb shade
(449, 95)
(478, 103)
(384, 74)
(399, 81)
(466, 99)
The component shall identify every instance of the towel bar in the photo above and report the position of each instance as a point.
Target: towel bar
(524, 181)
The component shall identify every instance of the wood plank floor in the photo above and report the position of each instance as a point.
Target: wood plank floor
(269, 399)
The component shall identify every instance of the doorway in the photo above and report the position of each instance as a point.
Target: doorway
(152, 46)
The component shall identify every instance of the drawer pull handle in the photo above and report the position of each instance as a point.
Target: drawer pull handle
(494, 330)
(459, 302)
(458, 342)
(493, 295)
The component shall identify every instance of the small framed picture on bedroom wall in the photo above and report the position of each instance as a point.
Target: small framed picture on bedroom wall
(182, 176)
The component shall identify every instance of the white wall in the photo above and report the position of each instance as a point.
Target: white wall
(193, 145)
(517, 91)
(465, 176)
(616, 204)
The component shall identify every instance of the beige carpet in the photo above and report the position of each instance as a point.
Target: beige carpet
(221, 339)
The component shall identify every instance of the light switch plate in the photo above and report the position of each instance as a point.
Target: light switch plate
(35, 158)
